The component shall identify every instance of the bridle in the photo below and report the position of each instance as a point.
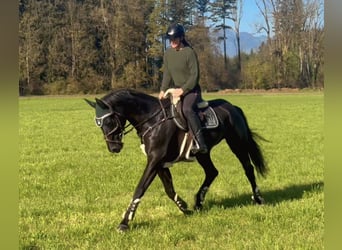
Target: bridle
(122, 129)
(122, 132)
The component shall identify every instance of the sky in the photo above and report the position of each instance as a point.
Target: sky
(250, 17)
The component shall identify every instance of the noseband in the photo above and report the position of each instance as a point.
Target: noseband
(99, 123)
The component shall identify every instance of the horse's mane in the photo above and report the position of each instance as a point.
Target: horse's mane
(127, 96)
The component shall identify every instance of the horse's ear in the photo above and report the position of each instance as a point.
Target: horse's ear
(101, 103)
(93, 104)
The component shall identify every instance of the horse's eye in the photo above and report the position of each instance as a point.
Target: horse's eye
(108, 121)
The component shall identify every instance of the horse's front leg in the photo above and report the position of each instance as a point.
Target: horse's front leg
(145, 181)
(166, 178)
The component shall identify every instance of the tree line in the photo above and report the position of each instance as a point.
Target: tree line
(91, 46)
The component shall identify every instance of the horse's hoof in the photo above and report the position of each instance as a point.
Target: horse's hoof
(122, 228)
(188, 212)
(258, 200)
(198, 208)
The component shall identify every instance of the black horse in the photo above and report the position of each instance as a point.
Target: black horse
(164, 142)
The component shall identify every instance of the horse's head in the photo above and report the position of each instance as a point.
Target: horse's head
(111, 123)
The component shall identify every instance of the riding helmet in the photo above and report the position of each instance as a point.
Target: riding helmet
(174, 31)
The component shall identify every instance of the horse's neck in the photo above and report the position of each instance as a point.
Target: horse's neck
(136, 115)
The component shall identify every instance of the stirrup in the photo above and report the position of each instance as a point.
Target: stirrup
(197, 149)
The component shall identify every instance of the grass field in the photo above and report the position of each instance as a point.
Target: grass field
(72, 191)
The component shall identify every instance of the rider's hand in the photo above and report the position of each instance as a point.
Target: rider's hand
(177, 93)
(161, 95)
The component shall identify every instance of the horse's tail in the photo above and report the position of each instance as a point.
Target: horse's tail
(254, 150)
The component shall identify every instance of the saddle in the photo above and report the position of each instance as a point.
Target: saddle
(205, 113)
(208, 120)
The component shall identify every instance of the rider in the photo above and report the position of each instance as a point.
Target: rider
(181, 68)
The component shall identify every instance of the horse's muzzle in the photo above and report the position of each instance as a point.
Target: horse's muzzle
(114, 147)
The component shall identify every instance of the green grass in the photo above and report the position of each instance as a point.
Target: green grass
(72, 191)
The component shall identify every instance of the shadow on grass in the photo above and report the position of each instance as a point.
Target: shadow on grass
(273, 197)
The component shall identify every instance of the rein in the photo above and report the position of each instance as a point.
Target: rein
(99, 122)
(159, 122)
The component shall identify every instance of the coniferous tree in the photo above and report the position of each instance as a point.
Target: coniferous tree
(91, 46)
(157, 25)
(222, 11)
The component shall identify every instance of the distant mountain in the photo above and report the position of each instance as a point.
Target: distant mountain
(248, 42)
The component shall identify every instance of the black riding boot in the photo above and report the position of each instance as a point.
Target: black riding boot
(196, 128)
(202, 147)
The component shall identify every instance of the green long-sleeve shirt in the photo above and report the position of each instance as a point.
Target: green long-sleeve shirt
(181, 69)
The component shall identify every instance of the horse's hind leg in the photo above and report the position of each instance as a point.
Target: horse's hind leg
(210, 175)
(166, 178)
(249, 172)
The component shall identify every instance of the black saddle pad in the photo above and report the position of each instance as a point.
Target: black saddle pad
(207, 117)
